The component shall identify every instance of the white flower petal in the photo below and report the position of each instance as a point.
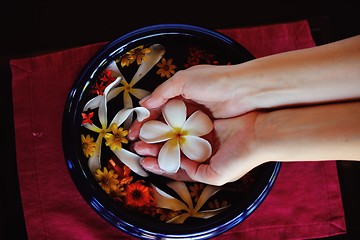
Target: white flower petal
(179, 219)
(209, 213)
(155, 131)
(196, 148)
(131, 160)
(128, 104)
(139, 93)
(174, 113)
(181, 189)
(103, 104)
(169, 156)
(93, 103)
(115, 72)
(93, 127)
(207, 192)
(151, 58)
(198, 124)
(123, 114)
(114, 92)
(102, 113)
(164, 200)
(111, 86)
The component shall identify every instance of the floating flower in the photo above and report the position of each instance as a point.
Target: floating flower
(166, 68)
(107, 179)
(115, 139)
(155, 53)
(138, 195)
(164, 200)
(87, 118)
(138, 54)
(130, 159)
(179, 134)
(88, 145)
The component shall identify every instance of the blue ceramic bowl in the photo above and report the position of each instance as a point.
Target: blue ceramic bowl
(187, 45)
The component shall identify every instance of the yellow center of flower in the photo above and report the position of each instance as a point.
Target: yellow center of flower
(179, 135)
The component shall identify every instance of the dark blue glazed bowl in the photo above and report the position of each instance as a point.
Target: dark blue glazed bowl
(182, 42)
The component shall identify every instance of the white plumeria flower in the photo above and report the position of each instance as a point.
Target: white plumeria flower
(130, 159)
(164, 200)
(150, 59)
(179, 134)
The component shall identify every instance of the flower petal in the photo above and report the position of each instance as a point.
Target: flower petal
(181, 189)
(139, 93)
(128, 104)
(196, 148)
(179, 218)
(114, 92)
(209, 213)
(151, 58)
(115, 72)
(207, 192)
(174, 113)
(131, 160)
(155, 131)
(123, 114)
(93, 103)
(198, 124)
(164, 200)
(169, 156)
(93, 127)
(103, 104)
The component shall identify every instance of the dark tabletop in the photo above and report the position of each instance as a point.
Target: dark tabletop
(32, 27)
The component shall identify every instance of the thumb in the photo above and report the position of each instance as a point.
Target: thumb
(201, 172)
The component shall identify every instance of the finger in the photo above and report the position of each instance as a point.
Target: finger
(135, 127)
(169, 89)
(146, 149)
(201, 172)
(151, 164)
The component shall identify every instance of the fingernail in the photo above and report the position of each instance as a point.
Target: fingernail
(144, 99)
(150, 167)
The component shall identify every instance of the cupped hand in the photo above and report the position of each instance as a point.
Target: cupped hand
(212, 86)
(234, 152)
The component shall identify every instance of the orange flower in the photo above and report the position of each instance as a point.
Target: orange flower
(166, 68)
(138, 195)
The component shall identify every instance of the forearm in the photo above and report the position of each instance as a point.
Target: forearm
(323, 132)
(321, 74)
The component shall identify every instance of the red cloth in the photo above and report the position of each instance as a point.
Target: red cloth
(305, 201)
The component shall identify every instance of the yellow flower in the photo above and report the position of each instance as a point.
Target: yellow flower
(166, 68)
(137, 54)
(88, 145)
(127, 59)
(140, 53)
(107, 180)
(115, 139)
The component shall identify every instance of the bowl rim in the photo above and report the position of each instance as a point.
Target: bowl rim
(80, 176)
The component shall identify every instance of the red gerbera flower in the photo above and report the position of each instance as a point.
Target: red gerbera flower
(138, 195)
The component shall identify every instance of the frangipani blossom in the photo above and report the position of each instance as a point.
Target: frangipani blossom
(128, 158)
(150, 59)
(164, 200)
(179, 134)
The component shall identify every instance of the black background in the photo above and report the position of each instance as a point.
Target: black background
(32, 27)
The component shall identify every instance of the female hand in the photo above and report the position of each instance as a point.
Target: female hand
(234, 152)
